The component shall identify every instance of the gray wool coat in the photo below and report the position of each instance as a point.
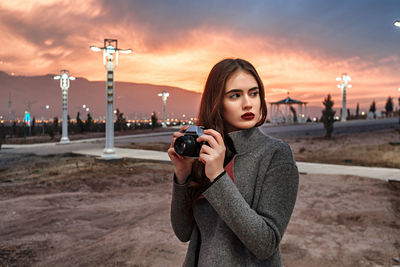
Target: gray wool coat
(241, 222)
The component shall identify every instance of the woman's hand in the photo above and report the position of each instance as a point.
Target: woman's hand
(183, 166)
(213, 155)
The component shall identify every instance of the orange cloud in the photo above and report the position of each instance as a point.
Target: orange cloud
(46, 36)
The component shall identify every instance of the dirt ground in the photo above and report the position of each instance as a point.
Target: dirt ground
(374, 149)
(69, 210)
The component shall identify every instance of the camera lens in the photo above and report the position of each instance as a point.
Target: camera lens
(185, 146)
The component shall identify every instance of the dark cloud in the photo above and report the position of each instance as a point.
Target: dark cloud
(343, 28)
(339, 28)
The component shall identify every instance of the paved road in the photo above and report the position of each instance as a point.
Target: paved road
(284, 131)
(317, 129)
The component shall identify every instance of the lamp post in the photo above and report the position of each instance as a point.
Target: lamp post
(399, 109)
(345, 79)
(397, 24)
(43, 109)
(109, 50)
(64, 78)
(164, 95)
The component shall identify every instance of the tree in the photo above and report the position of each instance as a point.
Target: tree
(79, 123)
(372, 108)
(33, 126)
(120, 124)
(358, 110)
(328, 116)
(399, 114)
(294, 114)
(154, 120)
(14, 128)
(2, 134)
(389, 106)
(55, 125)
(89, 122)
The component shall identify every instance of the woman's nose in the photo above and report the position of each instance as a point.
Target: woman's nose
(246, 102)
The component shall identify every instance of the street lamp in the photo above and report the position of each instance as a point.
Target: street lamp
(110, 48)
(397, 24)
(164, 95)
(64, 78)
(85, 108)
(345, 79)
(399, 108)
(43, 109)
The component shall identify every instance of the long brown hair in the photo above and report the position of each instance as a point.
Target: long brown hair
(210, 115)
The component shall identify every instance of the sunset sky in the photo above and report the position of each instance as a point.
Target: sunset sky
(297, 46)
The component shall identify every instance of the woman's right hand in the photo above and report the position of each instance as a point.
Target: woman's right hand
(183, 166)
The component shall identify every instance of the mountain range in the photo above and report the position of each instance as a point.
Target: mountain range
(135, 100)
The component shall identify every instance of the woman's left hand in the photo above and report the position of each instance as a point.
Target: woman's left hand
(213, 155)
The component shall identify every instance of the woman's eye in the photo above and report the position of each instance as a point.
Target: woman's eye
(234, 96)
(255, 93)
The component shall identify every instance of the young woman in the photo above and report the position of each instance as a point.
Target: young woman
(234, 202)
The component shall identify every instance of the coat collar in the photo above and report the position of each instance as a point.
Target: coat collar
(246, 140)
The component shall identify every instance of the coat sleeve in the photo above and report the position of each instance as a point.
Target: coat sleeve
(182, 224)
(260, 229)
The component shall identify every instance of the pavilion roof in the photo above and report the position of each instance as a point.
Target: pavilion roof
(288, 100)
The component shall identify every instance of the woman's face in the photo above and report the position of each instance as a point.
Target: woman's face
(241, 102)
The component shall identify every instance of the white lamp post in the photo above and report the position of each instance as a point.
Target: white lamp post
(64, 78)
(345, 79)
(164, 95)
(109, 50)
(397, 24)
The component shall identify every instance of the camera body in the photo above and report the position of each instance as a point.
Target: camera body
(186, 145)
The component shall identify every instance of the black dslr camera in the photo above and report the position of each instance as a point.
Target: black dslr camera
(186, 145)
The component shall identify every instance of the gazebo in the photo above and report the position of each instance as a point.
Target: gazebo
(277, 116)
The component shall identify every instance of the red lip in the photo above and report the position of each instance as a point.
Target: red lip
(248, 116)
